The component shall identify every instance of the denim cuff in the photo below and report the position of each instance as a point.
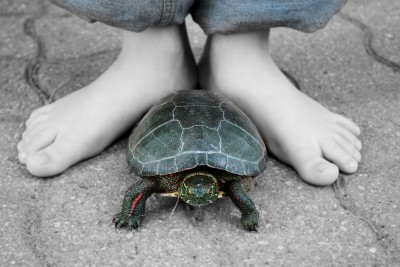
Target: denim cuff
(132, 15)
(167, 13)
(230, 16)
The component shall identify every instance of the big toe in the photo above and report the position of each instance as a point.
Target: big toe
(46, 163)
(53, 159)
(314, 169)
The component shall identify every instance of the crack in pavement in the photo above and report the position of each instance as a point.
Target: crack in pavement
(33, 66)
(368, 39)
(33, 217)
(99, 55)
(387, 242)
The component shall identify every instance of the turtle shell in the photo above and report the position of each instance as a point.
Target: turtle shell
(192, 128)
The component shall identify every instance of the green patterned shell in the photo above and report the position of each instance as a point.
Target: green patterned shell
(193, 128)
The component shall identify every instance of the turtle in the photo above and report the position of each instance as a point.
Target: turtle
(196, 145)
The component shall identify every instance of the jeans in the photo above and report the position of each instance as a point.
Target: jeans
(213, 16)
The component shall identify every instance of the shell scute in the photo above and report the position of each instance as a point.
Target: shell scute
(157, 116)
(194, 139)
(218, 159)
(188, 116)
(167, 166)
(162, 142)
(238, 143)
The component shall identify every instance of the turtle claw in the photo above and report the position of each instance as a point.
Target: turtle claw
(134, 226)
(118, 223)
(130, 222)
(250, 221)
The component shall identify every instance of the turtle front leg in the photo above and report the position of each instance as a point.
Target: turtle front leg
(236, 191)
(133, 206)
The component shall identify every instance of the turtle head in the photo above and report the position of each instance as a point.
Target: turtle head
(199, 189)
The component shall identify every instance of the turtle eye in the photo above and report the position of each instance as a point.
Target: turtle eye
(190, 190)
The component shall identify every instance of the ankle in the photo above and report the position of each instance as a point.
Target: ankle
(239, 43)
(230, 60)
(171, 40)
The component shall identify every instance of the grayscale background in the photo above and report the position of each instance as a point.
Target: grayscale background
(352, 67)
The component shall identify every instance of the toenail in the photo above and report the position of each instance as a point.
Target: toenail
(358, 144)
(357, 156)
(322, 167)
(42, 159)
(358, 130)
(353, 165)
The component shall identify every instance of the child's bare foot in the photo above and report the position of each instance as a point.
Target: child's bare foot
(298, 130)
(152, 64)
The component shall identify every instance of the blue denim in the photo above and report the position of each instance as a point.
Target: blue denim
(213, 16)
(132, 15)
(227, 16)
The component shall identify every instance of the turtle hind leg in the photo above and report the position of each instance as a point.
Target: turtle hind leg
(133, 205)
(237, 192)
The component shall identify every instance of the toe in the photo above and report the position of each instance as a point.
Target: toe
(312, 167)
(350, 148)
(39, 111)
(39, 140)
(318, 171)
(333, 152)
(350, 138)
(22, 155)
(33, 122)
(57, 157)
(348, 124)
(47, 162)
(32, 134)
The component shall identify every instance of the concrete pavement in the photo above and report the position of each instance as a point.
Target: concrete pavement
(352, 67)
